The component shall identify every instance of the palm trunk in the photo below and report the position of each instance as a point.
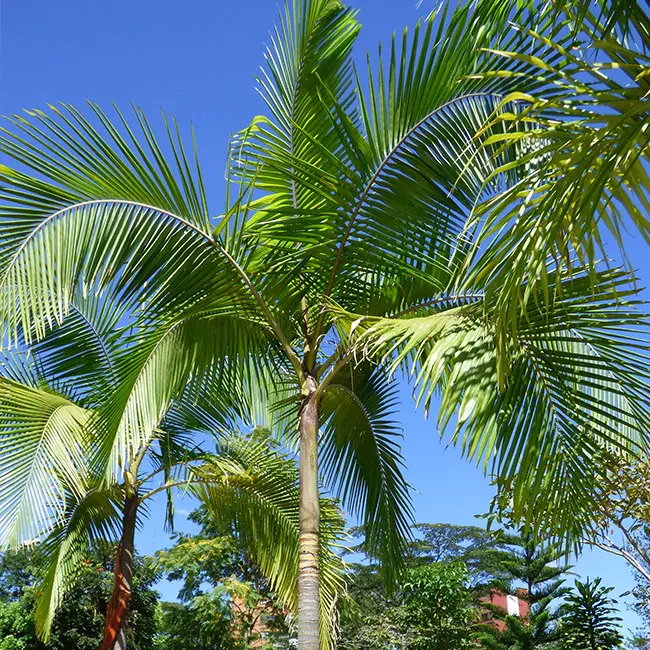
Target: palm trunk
(308, 572)
(118, 607)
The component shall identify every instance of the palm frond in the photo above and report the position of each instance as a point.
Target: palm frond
(295, 156)
(77, 357)
(84, 159)
(578, 383)
(361, 459)
(254, 491)
(586, 168)
(425, 161)
(44, 447)
(170, 363)
(93, 517)
(106, 215)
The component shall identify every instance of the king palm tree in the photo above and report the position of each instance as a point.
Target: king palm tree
(346, 258)
(53, 475)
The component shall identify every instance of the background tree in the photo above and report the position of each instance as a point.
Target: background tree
(215, 568)
(536, 575)
(374, 619)
(482, 551)
(204, 624)
(589, 618)
(638, 641)
(79, 622)
(621, 523)
(621, 526)
(369, 616)
(439, 612)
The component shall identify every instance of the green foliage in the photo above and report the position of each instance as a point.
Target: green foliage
(350, 249)
(205, 624)
(79, 622)
(368, 614)
(578, 72)
(641, 591)
(373, 619)
(225, 596)
(62, 497)
(638, 642)
(590, 621)
(439, 611)
(541, 573)
(17, 630)
(479, 549)
(433, 608)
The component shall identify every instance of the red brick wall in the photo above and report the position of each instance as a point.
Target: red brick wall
(500, 600)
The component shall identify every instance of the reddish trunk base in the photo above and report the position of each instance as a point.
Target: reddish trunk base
(118, 607)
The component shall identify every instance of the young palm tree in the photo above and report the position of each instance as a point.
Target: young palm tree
(53, 485)
(345, 255)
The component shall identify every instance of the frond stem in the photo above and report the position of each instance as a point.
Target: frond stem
(370, 185)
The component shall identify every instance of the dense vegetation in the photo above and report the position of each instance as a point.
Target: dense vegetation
(225, 603)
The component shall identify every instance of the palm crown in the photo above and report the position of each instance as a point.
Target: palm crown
(347, 252)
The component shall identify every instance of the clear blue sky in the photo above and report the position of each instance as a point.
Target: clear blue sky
(197, 59)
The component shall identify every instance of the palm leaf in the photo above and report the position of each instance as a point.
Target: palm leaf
(43, 458)
(125, 223)
(587, 154)
(93, 517)
(254, 491)
(578, 383)
(361, 459)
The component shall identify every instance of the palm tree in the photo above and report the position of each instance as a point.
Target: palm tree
(343, 258)
(53, 476)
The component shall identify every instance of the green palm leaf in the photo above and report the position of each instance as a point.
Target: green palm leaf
(578, 384)
(93, 517)
(361, 459)
(256, 491)
(43, 458)
(582, 90)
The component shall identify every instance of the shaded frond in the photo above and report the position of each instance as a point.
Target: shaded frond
(254, 492)
(585, 172)
(44, 448)
(361, 459)
(93, 517)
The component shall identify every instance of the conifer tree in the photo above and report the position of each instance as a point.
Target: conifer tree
(537, 575)
(590, 621)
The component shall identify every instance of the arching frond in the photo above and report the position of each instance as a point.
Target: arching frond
(361, 459)
(171, 363)
(254, 491)
(142, 252)
(78, 356)
(93, 517)
(43, 457)
(586, 173)
(578, 383)
(85, 159)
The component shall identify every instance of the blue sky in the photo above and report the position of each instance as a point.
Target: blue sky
(197, 59)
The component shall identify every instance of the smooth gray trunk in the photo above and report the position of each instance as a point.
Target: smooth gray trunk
(308, 573)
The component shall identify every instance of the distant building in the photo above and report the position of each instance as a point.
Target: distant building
(499, 605)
